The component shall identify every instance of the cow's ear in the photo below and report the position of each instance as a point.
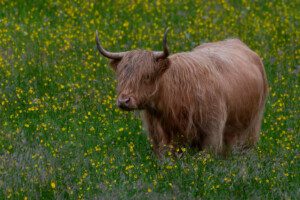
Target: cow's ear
(163, 65)
(114, 64)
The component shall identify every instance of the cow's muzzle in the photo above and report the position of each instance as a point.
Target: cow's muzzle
(126, 103)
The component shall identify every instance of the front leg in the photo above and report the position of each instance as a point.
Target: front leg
(159, 138)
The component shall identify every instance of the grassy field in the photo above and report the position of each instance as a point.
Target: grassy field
(62, 136)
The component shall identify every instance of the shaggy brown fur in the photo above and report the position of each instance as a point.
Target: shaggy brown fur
(212, 97)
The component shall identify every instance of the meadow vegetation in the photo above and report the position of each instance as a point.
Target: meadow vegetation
(62, 136)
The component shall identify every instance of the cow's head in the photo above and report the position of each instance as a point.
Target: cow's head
(138, 74)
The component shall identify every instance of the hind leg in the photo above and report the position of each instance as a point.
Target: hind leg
(252, 132)
(237, 138)
(231, 139)
(213, 139)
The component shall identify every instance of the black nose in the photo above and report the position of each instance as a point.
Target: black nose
(124, 102)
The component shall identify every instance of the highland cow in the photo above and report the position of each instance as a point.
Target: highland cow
(212, 97)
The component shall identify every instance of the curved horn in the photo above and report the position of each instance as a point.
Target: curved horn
(165, 53)
(116, 56)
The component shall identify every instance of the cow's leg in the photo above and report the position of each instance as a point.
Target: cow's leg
(238, 138)
(213, 139)
(251, 134)
(153, 132)
(232, 138)
(158, 138)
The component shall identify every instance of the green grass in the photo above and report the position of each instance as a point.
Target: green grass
(61, 135)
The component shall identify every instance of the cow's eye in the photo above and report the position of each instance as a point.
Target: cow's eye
(147, 78)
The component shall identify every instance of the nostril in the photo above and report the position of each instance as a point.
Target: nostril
(127, 100)
(124, 102)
